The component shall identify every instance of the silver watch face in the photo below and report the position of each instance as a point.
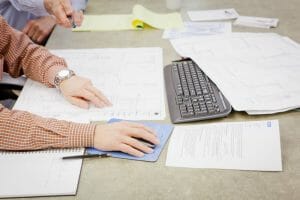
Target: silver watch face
(63, 73)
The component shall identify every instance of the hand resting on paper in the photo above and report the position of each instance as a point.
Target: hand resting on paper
(80, 92)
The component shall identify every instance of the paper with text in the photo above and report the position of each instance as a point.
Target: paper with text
(198, 29)
(131, 78)
(236, 145)
(257, 72)
(212, 15)
(259, 22)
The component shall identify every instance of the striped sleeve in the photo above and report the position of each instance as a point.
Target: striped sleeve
(22, 56)
(21, 130)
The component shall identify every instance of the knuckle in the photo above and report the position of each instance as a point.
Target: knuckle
(124, 148)
(30, 22)
(43, 32)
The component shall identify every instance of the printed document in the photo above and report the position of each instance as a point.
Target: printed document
(235, 145)
(198, 29)
(213, 15)
(131, 78)
(257, 72)
(259, 22)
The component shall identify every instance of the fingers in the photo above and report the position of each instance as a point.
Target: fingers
(98, 94)
(61, 11)
(62, 18)
(130, 150)
(122, 136)
(82, 88)
(138, 145)
(143, 134)
(79, 102)
(133, 146)
(78, 17)
(27, 27)
(38, 36)
(89, 96)
(137, 125)
(41, 38)
(67, 7)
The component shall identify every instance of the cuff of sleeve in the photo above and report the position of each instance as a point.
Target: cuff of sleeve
(81, 135)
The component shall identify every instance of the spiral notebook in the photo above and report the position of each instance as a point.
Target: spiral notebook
(39, 173)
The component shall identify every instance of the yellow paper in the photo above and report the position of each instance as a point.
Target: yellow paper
(140, 18)
(155, 20)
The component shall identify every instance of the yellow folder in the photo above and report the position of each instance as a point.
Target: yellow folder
(140, 18)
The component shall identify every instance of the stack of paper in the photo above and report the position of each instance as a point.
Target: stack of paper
(198, 29)
(139, 19)
(213, 15)
(259, 22)
(236, 145)
(257, 72)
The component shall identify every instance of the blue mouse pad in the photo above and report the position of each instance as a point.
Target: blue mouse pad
(163, 132)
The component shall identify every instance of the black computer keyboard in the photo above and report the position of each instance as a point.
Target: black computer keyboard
(192, 96)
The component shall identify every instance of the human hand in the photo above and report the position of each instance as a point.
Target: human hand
(39, 29)
(61, 9)
(78, 17)
(121, 136)
(80, 92)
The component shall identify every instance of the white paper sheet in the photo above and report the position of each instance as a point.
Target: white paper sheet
(236, 145)
(259, 22)
(39, 173)
(131, 78)
(210, 15)
(197, 29)
(255, 71)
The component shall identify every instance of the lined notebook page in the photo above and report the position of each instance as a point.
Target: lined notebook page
(39, 173)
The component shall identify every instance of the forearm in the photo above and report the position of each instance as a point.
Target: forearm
(23, 56)
(24, 131)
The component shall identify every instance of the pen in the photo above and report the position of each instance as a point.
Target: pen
(105, 155)
(228, 13)
(72, 22)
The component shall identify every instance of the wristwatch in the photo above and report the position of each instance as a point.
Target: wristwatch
(62, 75)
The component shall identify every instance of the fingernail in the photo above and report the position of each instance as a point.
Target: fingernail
(141, 154)
(100, 105)
(150, 151)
